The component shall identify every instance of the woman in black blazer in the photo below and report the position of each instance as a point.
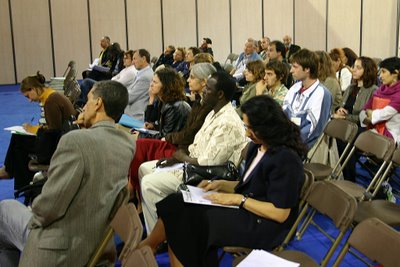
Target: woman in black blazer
(267, 195)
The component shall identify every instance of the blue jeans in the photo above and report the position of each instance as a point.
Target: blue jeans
(14, 219)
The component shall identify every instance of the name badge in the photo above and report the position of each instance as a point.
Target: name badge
(296, 120)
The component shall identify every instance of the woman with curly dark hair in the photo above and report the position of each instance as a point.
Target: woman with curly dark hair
(167, 110)
(267, 195)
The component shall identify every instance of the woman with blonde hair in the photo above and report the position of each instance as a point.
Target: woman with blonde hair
(326, 75)
(56, 110)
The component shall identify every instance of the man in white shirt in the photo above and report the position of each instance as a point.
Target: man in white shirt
(307, 102)
(221, 138)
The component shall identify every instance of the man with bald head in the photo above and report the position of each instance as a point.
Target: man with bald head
(290, 48)
(249, 54)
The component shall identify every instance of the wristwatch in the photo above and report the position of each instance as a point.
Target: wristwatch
(242, 202)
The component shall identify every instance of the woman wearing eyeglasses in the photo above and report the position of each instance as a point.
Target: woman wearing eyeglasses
(267, 195)
(56, 109)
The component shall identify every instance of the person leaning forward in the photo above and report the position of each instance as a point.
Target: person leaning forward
(69, 216)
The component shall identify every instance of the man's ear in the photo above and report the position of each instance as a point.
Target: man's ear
(99, 103)
(221, 94)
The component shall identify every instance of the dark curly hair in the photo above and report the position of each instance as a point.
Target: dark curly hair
(271, 125)
(173, 86)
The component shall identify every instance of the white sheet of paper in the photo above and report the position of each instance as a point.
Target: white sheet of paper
(177, 166)
(18, 129)
(259, 257)
(196, 195)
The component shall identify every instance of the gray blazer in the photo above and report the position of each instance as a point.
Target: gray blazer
(87, 171)
(362, 97)
(139, 94)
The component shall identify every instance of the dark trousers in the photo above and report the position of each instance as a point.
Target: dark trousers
(17, 159)
(349, 171)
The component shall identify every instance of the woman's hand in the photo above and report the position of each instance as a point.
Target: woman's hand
(340, 114)
(209, 185)
(148, 125)
(261, 86)
(29, 128)
(225, 198)
(342, 111)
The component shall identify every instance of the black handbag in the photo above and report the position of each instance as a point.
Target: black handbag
(194, 174)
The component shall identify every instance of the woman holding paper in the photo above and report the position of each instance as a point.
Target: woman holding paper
(56, 109)
(267, 195)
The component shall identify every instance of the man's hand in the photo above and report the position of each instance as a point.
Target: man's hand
(80, 121)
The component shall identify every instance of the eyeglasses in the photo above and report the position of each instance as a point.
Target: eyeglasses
(246, 127)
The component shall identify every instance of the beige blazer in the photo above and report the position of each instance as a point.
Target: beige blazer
(87, 171)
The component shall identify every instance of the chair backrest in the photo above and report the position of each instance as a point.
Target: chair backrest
(396, 156)
(375, 144)
(333, 202)
(341, 129)
(376, 240)
(126, 223)
(308, 181)
(119, 202)
(231, 58)
(142, 257)
(72, 90)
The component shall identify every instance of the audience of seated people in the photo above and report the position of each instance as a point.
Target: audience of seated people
(103, 59)
(116, 56)
(307, 103)
(191, 52)
(206, 46)
(350, 56)
(126, 76)
(354, 99)
(167, 110)
(88, 170)
(254, 74)
(56, 110)
(289, 47)
(381, 111)
(221, 138)
(150, 149)
(267, 195)
(138, 91)
(265, 41)
(277, 51)
(208, 131)
(326, 75)
(166, 58)
(342, 70)
(276, 74)
(249, 54)
(179, 59)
